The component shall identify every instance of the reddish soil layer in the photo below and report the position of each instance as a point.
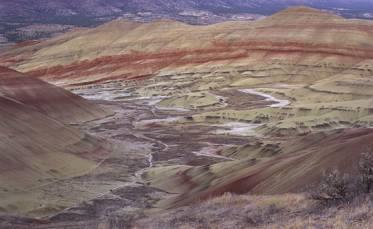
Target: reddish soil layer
(36, 144)
(293, 36)
(50, 100)
(299, 166)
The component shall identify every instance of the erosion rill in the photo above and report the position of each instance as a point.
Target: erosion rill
(188, 113)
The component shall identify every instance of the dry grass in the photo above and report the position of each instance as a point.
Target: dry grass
(280, 211)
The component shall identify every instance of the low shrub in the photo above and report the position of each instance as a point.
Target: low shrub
(333, 188)
(366, 172)
(337, 188)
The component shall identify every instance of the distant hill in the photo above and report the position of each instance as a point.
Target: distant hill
(48, 17)
(65, 9)
(113, 50)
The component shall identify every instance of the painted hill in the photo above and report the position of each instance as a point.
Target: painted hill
(288, 87)
(127, 50)
(36, 146)
(47, 99)
(297, 54)
(22, 20)
(299, 165)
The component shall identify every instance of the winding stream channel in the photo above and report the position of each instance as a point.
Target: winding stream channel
(277, 102)
(143, 137)
(229, 128)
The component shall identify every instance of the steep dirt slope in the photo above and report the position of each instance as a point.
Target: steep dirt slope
(36, 147)
(299, 165)
(50, 100)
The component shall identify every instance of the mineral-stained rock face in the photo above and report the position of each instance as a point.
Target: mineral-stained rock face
(126, 50)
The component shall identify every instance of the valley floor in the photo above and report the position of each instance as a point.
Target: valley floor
(172, 150)
(143, 136)
(257, 109)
